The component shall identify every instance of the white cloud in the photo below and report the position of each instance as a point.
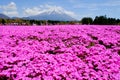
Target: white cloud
(45, 8)
(32, 11)
(11, 13)
(9, 9)
(10, 6)
(70, 13)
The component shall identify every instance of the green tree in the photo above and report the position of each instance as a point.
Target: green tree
(118, 21)
(87, 20)
(101, 20)
(0, 21)
(4, 21)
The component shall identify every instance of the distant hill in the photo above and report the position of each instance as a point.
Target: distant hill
(15, 18)
(3, 16)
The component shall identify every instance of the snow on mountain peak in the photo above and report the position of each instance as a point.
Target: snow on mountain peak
(53, 13)
(55, 10)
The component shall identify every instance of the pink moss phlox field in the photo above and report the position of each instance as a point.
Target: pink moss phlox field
(61, 52)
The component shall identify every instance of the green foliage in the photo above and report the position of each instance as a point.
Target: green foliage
(103, 20)
(4, 21)
(119, 23)
(87, 20)
(100, 20)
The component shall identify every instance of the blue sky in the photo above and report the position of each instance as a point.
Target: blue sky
(76, 8)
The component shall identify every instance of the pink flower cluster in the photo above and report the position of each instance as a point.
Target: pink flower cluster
(61, 52)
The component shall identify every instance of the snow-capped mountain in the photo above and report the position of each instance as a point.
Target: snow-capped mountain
(52, 14)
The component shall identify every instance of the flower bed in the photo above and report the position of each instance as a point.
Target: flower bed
(71, 52)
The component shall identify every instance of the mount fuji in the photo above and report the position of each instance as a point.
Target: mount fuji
(52, 14)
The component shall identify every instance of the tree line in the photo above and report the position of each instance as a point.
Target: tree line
(19, 21)
(100, 20)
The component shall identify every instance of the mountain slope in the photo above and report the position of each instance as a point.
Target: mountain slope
(3, 16)
(52, 15)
